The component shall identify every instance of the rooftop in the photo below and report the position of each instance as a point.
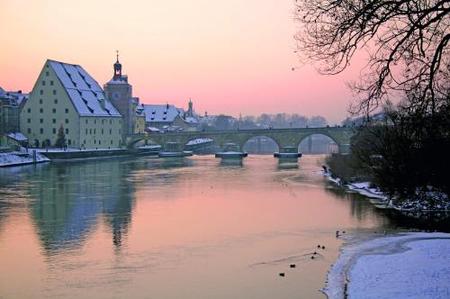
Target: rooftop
(85, 93)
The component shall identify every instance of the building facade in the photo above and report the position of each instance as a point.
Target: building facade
(10, 105)
(66, 96)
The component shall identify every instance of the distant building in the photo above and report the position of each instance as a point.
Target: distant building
(164, 116)
(65, 95)
(10, 105)
(170, 118)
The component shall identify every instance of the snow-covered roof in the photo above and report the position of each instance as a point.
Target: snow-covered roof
(17, 136)
(84, 92)
(161, 113)
(191, 120)
(15, 97)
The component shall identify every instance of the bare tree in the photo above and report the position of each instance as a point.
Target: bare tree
(406, 41)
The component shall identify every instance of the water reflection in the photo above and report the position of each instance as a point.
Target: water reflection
(70, 200)
(172, 228)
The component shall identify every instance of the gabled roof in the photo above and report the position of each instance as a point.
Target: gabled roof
(84, 92)
(161, 113)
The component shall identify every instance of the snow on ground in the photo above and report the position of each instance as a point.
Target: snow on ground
(430, 200)
(18, 158)
(73, 149)
(411, 265)
(150, 147)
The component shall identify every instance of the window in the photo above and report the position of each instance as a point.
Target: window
(67, 110)
(95, 131)
(110, 121)
(29, 130)
(54, 130)
(69, 141)
(54, 120)
(29, 120)
(56, 101)
(86, 131)
(67, 131)
(41, 130)
(95, 121)
(43, 82)
(29, 110)
(41, 92)
(40, 101)
(67, 121)
(87, 121)
(99, 142)
(51, 82)
(102, 131)
(41, 120)
(103, 121)
(110, 131)
(41, 110)
(95, 141)
(46, 73)
(54, 91)
(111, 142)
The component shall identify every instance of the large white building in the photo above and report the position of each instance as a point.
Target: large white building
(65, 95)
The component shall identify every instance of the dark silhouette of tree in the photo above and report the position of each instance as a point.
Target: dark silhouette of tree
(406, 41)
(61, 137)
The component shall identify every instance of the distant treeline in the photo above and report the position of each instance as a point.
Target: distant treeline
(264, 121)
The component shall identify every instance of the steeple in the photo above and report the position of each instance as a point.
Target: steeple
(117, 68)
(190, 111)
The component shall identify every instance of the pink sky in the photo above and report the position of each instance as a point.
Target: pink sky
(230, 56)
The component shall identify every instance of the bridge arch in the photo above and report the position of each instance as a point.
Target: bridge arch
(133, 141)
(307, 145)
(260, 144)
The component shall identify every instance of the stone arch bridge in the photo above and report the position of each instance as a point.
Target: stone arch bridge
(291, 137)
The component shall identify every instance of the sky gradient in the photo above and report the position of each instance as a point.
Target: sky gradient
(230, 56)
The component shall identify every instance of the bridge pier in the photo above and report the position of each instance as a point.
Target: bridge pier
(288, 154)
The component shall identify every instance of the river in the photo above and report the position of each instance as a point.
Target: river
(152, 228)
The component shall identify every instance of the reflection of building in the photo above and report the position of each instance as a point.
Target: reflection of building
(10, 104)
(66, 95)
(71, 200)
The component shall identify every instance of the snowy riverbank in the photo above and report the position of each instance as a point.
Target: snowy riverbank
(409, 265)
(429, 201)
(20, 158)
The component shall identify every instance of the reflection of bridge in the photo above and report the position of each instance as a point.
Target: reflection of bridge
(282, 137)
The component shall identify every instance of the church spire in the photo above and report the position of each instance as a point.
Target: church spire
(117, 68)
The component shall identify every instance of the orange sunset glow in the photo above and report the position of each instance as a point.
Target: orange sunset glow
(230, 57)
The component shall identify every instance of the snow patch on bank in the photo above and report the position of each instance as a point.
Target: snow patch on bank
(20, 158)
(422, 201)
(410, 265)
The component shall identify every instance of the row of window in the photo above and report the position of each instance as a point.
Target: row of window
(41, 92)
(94, 131)
(41, 120)
(41, 130)
(103, 121)
(42, 101)
(51, 81)
(41, 110)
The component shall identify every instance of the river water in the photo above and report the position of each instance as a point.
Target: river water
(152, 228)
